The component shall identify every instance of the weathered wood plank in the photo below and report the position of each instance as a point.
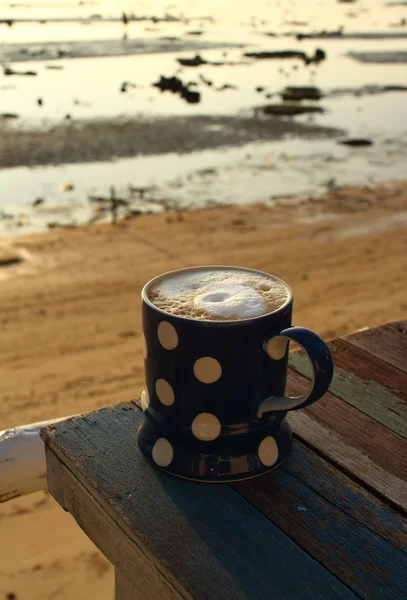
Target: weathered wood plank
(368, 367)
(331, 483)
(125, 590)
(346, 494)
(387, 342)
(370, 565)
(365, 382)
(358, 444)
(136, 567)
(206, 538)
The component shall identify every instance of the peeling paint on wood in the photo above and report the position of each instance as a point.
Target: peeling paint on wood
(349, 496)
(351, 459)
(388, 342)
(208, 536)
(370, 565)
(369, 367)
(355, 429)
(369, 397)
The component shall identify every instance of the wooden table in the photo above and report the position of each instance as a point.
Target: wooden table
(329, 523)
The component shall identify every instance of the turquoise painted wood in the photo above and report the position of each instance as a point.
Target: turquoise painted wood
(347, 495)
(209, 535)
(370, 565)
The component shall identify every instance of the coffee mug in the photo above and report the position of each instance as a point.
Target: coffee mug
(214, 399)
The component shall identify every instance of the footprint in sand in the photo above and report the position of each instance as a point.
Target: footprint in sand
(13, 261)
(10, 257)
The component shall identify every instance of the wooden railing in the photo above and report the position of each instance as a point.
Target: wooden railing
(22, 461)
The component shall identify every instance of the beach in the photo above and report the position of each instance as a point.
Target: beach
(274, 141)
(71, 332)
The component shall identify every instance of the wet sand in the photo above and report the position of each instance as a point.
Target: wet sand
(102, 48)
(71, 335)
(98, 140)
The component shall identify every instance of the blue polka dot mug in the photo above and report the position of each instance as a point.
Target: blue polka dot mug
(214, 399)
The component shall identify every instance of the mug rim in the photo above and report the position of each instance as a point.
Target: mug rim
(154, 280)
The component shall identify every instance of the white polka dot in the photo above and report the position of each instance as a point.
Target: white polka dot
(276, 347)
(162, 452)
(206, 427)
(165, 392)
(145, 399)
(167, 335)
(144, 346)
(207, 369)
(268, 451)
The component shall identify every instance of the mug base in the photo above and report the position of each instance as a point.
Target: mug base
(233, 459)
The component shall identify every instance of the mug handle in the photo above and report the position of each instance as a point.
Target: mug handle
(318, 353)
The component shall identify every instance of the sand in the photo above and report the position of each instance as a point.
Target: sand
(71, 339)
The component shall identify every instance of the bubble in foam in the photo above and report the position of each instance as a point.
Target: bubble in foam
(239, 301)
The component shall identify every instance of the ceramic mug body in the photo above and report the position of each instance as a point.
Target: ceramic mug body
(214, 398)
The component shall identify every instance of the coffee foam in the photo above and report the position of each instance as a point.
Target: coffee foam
(221, 294)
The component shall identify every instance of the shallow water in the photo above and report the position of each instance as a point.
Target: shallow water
(90, 87)
(270, 172)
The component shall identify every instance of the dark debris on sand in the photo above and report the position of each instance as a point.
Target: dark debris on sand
(291, 109)
(176, 86)
(294, 93)
(8, 115)
(198, 60)
(9, 71)
(357, 142)
(318, 56)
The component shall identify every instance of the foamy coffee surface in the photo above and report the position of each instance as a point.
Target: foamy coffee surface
(218, 295)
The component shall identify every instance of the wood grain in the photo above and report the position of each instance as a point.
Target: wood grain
(125, 590)
(365, 382)
(205, 539)
(388, 342)
(368, 367)
(331, 530)
(384, 390)
(104, 532)
(352, 440)
(346, 494)
(334, 485)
